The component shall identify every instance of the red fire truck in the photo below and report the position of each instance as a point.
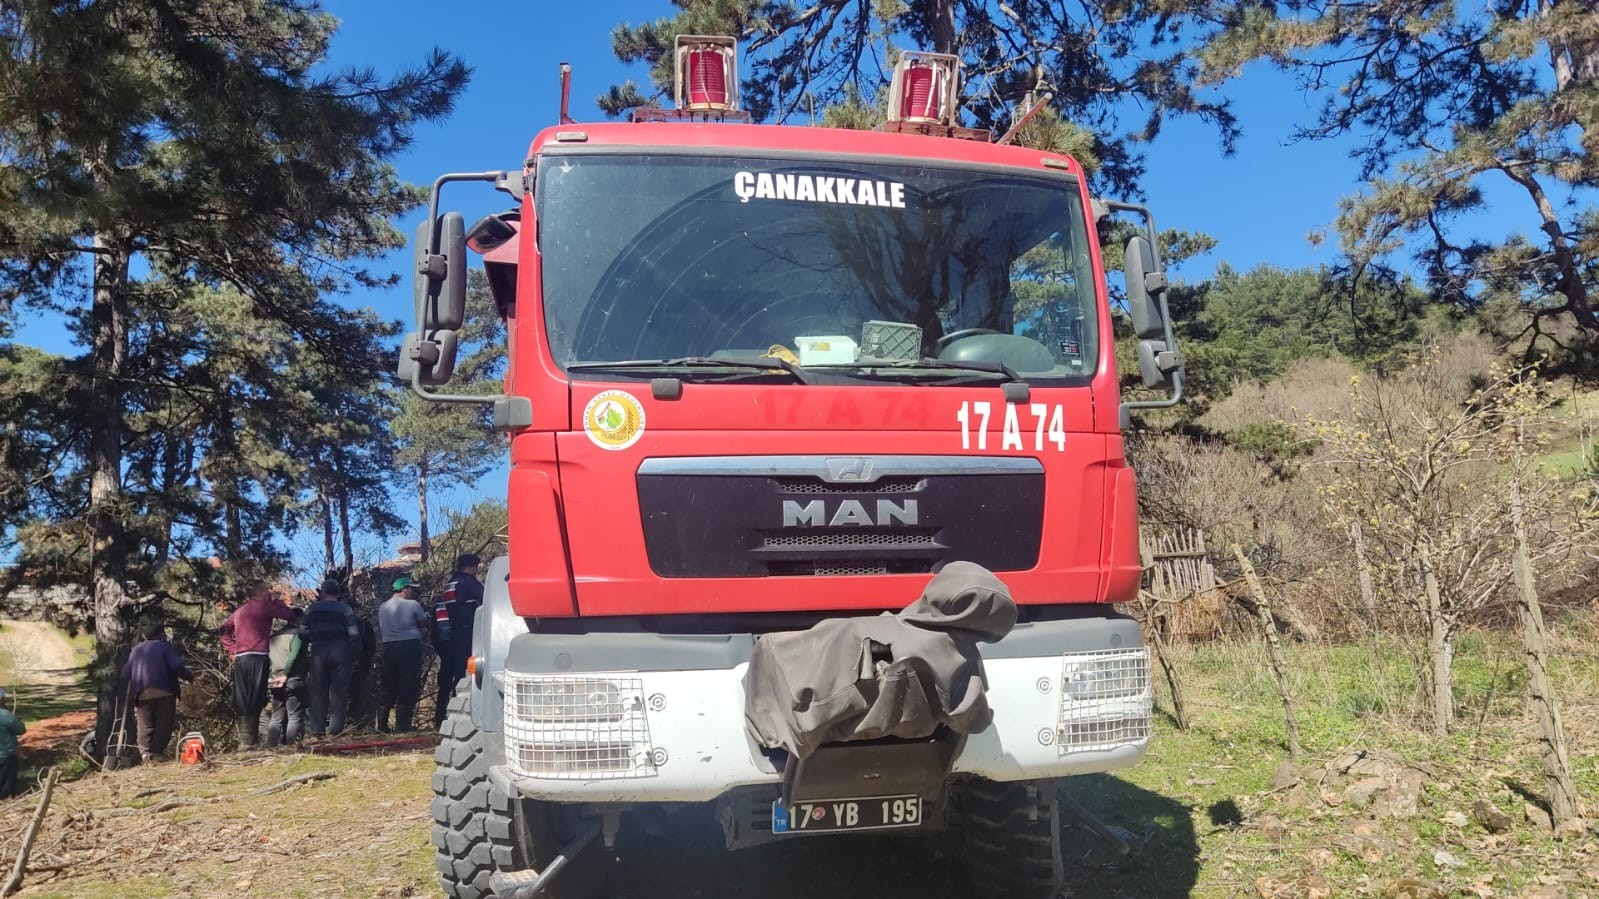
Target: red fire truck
(772, 384)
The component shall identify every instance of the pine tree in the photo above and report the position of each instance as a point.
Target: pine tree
(1444, 100)
(440, 444)
(210, 141)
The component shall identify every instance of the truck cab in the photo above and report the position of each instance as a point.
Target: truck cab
(765, 379)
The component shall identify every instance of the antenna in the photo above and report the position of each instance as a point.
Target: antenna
(1033, 110)
(566, 93)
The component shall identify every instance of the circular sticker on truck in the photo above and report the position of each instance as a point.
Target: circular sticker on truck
(614, 419)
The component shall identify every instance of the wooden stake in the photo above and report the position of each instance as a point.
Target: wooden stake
(1563, 804)
(1274, 653)
(1178, 707)
(13, 884)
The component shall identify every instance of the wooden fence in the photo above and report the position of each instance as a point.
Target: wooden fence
(1185, 598)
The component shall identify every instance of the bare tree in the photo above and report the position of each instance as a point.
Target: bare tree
(1414, 462)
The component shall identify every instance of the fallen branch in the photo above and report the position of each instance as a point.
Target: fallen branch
(165, 805)
(293, 781)
(32, 833)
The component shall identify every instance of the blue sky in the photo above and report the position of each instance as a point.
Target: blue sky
(1259, 203)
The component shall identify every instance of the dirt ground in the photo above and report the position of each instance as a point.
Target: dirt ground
(36, 653)
(171, 831)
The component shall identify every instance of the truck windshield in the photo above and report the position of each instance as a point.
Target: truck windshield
(873, 270)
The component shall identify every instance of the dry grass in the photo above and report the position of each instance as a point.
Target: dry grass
(362, 833)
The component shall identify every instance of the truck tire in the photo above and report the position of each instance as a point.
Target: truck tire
(474, 824)
(1012, 838)
(479, 831)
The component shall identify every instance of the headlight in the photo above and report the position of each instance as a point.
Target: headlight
(572, 700)
(1087, 677)
(1105, 700)
(578, 727)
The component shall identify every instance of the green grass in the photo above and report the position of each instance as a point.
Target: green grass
(1212, 827)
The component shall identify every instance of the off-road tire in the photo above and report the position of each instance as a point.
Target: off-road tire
(479, 830)
(1011, 834)
(474, 824)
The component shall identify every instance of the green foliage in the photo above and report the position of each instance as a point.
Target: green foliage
(187, 185)
(1099, 61)
(479, 530)
(1253, 326)
(1442, 104)
(1273, 442)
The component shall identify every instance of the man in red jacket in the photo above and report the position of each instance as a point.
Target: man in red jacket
(246, 635)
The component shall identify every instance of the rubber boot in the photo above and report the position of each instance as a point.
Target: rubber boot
(249, 731)
(383, 719)
(402, 718)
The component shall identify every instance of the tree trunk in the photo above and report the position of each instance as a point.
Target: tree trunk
(942, 16)
(1368, 591)
(1440, 648)
(327, 526)
(224, 470)
(108, 316)
(1563, 804)
(1279, 669)
(1179, 708)
(422, 507)
(342, 494)
(171, 483)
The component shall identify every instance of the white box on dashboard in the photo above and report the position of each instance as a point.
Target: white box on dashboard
(826, 350)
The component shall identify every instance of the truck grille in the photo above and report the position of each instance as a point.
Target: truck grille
(803, 486)
(848, 538)
(817, 516)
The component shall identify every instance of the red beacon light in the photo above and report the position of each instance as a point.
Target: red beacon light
(705, 74)
(924, 89)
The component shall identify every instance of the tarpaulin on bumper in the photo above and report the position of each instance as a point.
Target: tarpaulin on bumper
(895, 675)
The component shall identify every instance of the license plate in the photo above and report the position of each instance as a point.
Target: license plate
(875, 813)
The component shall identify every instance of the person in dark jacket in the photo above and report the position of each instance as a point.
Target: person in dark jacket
(11, 727)
(291, 664)
(401, 620)
(331, 629)
(153, 671)
(453, 616)
(245, 636)
(362, 696)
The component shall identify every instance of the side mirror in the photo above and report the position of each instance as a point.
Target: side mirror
(1157, 363)
(491, 231)
(441, 277)
(434, 355)
(1144, 286)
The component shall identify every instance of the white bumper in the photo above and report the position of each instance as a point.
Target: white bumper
(680, 736)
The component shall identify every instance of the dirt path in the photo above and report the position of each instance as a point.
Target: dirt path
(37, 654)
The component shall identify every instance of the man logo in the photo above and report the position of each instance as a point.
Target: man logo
(849, 512)
(855, 470)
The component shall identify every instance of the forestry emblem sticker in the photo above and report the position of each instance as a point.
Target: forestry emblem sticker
(614, 420)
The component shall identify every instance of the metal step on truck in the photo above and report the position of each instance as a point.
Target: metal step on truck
(818, 500)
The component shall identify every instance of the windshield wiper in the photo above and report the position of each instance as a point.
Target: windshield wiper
(761, 364)
(932, 367)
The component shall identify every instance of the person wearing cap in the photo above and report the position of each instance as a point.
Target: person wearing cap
(245, 635)
(153, 671)
(11, 727)
(334, 634)
(400, 622)
(453, 616)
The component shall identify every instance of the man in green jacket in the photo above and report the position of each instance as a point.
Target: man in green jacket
(11, 727)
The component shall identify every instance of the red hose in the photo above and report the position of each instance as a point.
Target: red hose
(426, 740)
